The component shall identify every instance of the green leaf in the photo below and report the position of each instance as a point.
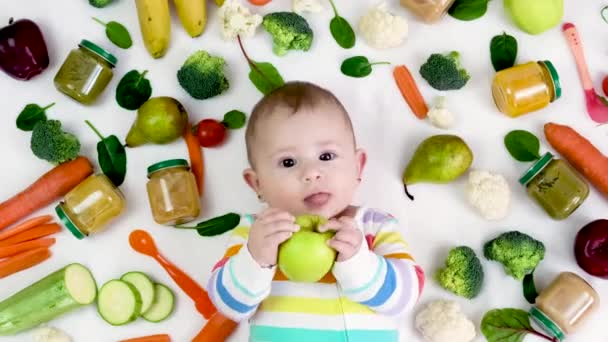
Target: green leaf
(133, 90)
(112, 157)
(117, 33)
(342, 32)
(265, 77)
(468, 9)
(234, 119)
(529, 288)
(30, 115)
(522, 145)
(358, 66)
(507, 325)
(503, 51)
(215, 226)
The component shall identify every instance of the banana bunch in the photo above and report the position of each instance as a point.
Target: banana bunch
(155, 22)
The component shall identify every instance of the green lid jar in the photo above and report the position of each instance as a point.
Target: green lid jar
(172, 192)
(86, 72)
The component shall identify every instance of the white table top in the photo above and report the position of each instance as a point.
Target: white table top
(437, 220)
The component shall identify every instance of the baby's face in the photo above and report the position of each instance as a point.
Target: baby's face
(305, 163)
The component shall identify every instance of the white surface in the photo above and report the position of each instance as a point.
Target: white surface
(439, 218)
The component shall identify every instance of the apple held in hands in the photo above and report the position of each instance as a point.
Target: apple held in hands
(23, 52)
(535, 16)
(306, 257)
(591, 248)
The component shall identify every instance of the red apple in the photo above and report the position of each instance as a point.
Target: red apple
(591, 248)
(23, 52)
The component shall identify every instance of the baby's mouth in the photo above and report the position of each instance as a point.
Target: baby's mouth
(317, 200)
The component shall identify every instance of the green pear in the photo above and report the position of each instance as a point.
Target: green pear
(160, 120)
(438, 159)
(306, 257)
(535, 16)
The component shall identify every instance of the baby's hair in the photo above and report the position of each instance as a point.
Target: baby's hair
(290, 99)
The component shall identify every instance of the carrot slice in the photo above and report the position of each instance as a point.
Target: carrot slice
(25, 225)
(31, 234)
(23, 261)
(196, 157)
(25, 246)
(410, 92)
(151, 338)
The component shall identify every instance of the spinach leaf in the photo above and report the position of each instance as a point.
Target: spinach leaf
(234, 119)
(264, 76)
(117, 33)
(133, 90)
(341, 30)
(522, 145)
(529, 288)
(30, 115)
(468, 9)
(507, 325)
(112, 157)
(358, 66)
(215, 226)
(503, 51)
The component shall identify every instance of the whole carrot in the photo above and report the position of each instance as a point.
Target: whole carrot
(580, 153)
(196, 157)
(51, 186)
(23, 261)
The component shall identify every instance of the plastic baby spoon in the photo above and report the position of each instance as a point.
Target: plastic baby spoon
(142, 242)
(597, 109)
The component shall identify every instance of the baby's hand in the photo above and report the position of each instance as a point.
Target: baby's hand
(348, 238)
(270, 229)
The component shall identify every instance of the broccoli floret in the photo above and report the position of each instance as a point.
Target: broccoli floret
(444, 72)
(462, 274)
(518, 252)
(289, 31)
(202, 75)
(51, 143)
(100, 3)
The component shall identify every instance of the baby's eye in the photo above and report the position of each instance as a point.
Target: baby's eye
(288, 162)
(327, 156)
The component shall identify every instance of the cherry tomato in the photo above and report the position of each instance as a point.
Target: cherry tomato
(210, 132)
(259, 2)
(605, 85)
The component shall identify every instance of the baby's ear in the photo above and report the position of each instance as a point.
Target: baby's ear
(361, 160)
(251, 178)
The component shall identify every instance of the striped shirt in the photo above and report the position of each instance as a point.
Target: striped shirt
(357, 301)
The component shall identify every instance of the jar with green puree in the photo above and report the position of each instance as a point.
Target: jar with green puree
(556, 186)
(86, 72)
(90, 206)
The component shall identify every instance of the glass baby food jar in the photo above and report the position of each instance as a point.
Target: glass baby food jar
(525, 88)
(556, 186)
(428, 10)
(86, 72)
(172, 192)
(564, 305)
(90, 206)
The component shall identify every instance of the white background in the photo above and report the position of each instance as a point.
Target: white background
(437, 220)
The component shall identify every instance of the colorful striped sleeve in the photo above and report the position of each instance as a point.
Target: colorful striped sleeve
(238, 284)
(382, 275)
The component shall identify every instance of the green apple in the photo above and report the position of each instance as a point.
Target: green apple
(535, 16)
(306, 257)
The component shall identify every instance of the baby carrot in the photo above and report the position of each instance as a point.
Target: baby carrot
(218, 328)
(151, 338)
(23, 261)
(25, 246)
(34, 233)
(196, 157)
(25, 225)
(409, 91)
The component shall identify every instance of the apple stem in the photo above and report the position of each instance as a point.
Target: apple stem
(10, 21)
(407, 192)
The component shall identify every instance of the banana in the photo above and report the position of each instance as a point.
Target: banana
(193, 15)
(155, 24)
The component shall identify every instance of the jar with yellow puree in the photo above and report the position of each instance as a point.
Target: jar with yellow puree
(564, 305)
(428, 10)
(526, 88)
(86, 72)
(172, 192)
(90, 206)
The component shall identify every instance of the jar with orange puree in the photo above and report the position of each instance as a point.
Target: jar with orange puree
(526, 88)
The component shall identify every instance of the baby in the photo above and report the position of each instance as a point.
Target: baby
(304, 160)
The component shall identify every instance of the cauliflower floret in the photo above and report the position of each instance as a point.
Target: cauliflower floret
(50, 334)
(442, 321)
(301, 6)
(440, 116)
(489, 193)
(381, 29)
(235, 19)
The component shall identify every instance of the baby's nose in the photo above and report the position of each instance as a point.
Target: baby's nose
(312, 175)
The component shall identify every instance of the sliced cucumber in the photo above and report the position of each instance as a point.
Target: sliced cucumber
(144, 286)
(605, 13)
(162, 306)
(118, 302)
